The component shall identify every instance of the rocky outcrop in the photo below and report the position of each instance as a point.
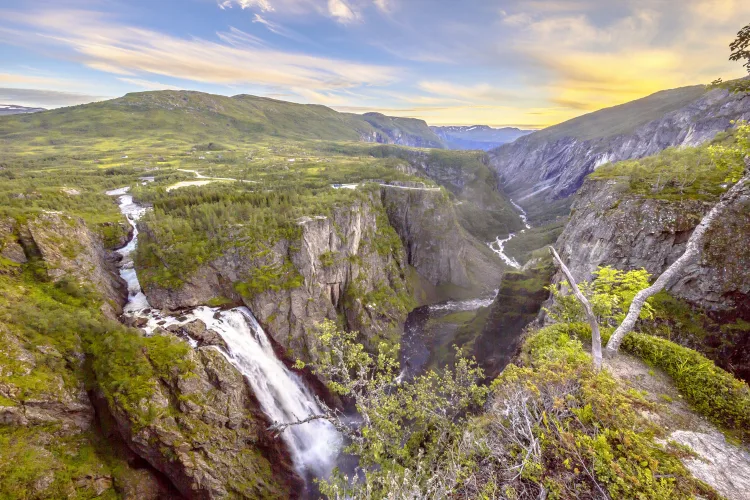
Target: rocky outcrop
(207, 434)
(70, 251)
(444, 255)
(517, 304)
(610, 226)
(348, 265)
(11, 250)
(543, 169)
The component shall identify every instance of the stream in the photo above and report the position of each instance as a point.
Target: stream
(498, 246)
(283, 395)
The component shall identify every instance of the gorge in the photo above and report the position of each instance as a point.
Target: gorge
(159, 329)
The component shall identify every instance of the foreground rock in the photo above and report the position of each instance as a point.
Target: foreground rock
(722, 465)
(207, 434)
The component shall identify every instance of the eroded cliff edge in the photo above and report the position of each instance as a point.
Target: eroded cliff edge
(609, 225)
(365, 264)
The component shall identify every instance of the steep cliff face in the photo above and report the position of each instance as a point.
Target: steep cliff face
(444, 255)
(400, 131)
(361, 265)
(70, 251)
(610, 226)
(517, 304)
(207, 433)
(53, 276)
(540, 171)
(709, 305)
(350, 263)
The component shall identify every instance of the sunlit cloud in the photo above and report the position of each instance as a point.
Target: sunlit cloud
(528, 63)
(150, 85)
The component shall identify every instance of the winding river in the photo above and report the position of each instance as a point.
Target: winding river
(498, 246)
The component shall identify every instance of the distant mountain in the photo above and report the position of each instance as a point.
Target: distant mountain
(478, 136)
(12, 109)
(196, 117)
(404, 131)
(542, 170)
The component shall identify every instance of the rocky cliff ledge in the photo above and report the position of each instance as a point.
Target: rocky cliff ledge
(66, 249)
(611, 226)
(205, 431)
(362, 264)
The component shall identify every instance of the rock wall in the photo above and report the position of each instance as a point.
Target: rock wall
(536, 171)
(345, 263)
(361, 265)
(208, 435)
(609, 226)
(69, 250)
(444, 255)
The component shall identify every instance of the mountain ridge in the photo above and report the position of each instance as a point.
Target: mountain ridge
(481, 137)
(542, 170)
(191, 116)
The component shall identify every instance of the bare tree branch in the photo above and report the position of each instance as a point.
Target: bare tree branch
(692, 249)
(596, 338)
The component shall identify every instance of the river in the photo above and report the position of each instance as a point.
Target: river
(498, 246)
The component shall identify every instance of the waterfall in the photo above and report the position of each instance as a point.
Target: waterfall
(283, 395)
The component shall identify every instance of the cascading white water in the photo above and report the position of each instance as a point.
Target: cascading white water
(283, 396)
(498, 246)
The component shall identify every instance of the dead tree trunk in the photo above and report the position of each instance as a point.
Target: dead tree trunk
(596, 338)
(692, 249)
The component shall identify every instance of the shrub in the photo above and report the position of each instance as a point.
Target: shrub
(713, 392)
(557, 428)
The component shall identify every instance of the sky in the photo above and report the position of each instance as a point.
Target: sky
(523, 63)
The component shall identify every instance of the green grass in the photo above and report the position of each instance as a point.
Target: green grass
(673, 174)
(710, 390)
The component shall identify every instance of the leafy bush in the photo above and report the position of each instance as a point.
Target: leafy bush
(557, 428)
(712, 391)
(610, 295)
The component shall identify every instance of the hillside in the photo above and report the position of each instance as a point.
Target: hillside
(186, 117)
(542, 170)
(478, 136)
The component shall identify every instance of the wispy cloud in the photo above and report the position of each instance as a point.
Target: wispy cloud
(280, 30)
(342, 11)
(237, 58)
(263, 5)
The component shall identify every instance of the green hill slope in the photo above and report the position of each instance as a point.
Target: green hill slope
(194, 117)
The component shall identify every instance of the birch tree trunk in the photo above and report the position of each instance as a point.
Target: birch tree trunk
(596, 338)
(692, 249)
